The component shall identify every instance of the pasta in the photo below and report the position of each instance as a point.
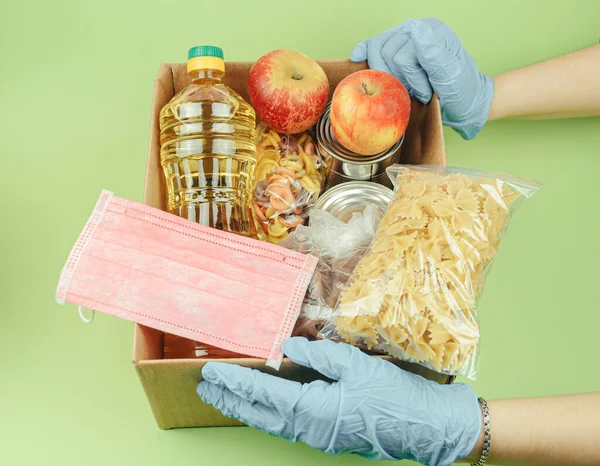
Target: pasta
(414, 294)
(288, 181)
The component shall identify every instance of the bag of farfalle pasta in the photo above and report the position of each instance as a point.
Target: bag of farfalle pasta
(414, 294)
(289, 179)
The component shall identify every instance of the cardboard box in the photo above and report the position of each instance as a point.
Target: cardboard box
(170, 384)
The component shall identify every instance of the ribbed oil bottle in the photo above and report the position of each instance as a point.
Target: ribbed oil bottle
(208, 152)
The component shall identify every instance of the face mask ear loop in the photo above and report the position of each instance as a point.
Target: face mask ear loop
(82, 316)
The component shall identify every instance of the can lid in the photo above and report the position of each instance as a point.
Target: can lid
(205, 51)
(352, 197)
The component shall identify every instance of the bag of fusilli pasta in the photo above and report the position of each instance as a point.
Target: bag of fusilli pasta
(289, 179)
(414, 294)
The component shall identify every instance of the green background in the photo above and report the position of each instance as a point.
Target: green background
(75, 94)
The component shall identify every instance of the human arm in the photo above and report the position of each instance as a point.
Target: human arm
(377, 410)
(564, 87)
(429, 58)
(550, 431)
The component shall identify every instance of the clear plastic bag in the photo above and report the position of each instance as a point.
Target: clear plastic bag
(289, 179)
(414, 294)
(339, 247)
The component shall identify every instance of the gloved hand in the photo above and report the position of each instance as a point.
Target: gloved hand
(372, 408)
(426, 56)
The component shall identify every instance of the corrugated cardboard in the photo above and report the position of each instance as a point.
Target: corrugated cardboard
(170, 384)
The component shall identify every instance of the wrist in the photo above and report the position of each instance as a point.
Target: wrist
(497, 111)
(475, 454)
(463, 431)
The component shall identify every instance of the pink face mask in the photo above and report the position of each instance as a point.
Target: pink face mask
(154, 268)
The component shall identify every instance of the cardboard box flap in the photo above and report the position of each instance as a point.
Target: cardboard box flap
(424, 142)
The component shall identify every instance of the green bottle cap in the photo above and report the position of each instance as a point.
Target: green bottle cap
(205, 51)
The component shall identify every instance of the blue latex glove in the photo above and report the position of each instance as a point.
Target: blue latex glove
(372, 408)
(427, 57)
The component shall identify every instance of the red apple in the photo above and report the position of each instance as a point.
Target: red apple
(288, 90)
(369, 111)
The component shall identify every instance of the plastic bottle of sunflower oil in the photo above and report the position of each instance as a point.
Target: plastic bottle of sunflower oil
(207, 151)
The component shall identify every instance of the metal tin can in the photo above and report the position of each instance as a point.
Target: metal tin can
(347, 198)
(342, 165)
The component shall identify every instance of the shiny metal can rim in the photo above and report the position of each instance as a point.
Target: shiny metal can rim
(378, 177)
(356, 191)
(328, 137)
(326, 142)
